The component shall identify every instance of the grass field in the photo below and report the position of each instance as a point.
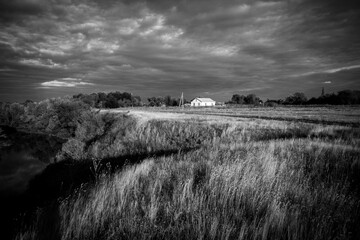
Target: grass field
(341, 115)
(284, 173)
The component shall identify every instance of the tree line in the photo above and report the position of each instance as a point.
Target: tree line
(167, 101)
(345, 97)
(242, 99)
(125, 99)
(109, 100)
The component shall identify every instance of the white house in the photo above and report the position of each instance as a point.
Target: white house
(202, 102)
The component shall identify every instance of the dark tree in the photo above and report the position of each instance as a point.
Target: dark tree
(296, 99)
(348, 97)
(156, 101)
(252, 99)
(238, 99)
(168, 101)
(111, 102)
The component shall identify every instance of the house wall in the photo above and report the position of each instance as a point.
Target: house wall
(202, 104)
(195, 103)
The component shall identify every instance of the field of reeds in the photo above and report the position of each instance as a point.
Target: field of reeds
(209, 177)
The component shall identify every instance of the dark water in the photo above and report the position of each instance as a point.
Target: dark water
(22, 157)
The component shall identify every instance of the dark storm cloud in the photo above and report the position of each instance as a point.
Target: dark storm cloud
(11, 10)
(324, 25)
(158, 47)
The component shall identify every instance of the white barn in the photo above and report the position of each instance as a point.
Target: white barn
(202, 102)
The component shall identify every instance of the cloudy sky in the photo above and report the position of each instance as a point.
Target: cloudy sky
(204, 48)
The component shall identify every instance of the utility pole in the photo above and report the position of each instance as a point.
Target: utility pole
(322, 92)
(181, 103)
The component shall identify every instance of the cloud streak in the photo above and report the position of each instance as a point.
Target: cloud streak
(65, 82)
(328, 71)
(47, 63)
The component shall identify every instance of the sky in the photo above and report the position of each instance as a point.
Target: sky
(208, 48)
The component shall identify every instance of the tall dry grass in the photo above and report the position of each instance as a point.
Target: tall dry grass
(119, 135)
(252, 180)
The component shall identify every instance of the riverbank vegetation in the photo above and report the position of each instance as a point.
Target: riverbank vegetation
(57, 116)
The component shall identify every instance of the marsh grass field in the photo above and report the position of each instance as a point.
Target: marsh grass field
(246, 173)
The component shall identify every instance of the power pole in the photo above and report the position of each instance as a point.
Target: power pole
(322, 92)
(181, 103)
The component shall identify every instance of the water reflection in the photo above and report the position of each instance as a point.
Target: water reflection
(22, 156)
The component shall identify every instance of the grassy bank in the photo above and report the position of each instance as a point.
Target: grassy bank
(236, 180)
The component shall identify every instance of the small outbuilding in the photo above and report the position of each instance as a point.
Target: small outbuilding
(202, 102)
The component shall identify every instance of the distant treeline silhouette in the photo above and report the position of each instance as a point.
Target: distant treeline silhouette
(110, 100)
(345, 97)
(125, 99)
(164, 101)
(241, 99)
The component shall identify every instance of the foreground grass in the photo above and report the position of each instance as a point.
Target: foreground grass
(245, 180)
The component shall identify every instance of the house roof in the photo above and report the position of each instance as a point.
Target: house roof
(204, 99)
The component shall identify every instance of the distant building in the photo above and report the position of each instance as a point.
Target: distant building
(202, 102)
